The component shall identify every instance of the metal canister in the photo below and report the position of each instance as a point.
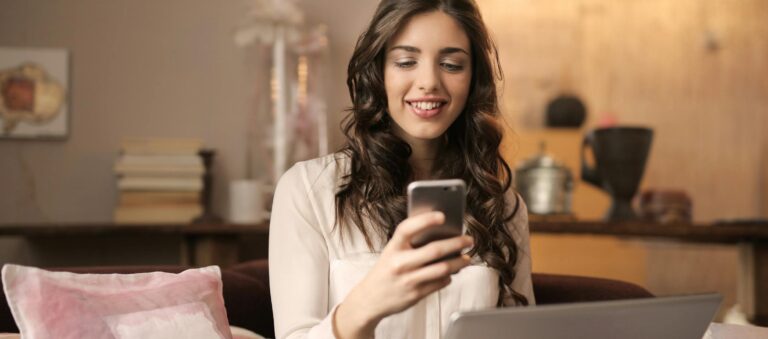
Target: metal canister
(545, 184)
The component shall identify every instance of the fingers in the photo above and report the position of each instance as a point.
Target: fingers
(428, 288)
(436, 271)
(413, 225)
(433, 251)
(419, 292)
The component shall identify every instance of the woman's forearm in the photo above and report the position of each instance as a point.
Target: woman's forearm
(353, 321)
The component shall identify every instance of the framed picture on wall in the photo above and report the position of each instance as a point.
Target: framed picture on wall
(33, 93)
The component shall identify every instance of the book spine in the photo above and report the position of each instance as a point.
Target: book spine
(159, 170)
(159, 146)
(160, 184)
(138, 198)
(179, 160)
(149, 215)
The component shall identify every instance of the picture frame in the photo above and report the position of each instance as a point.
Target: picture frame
(34, 93)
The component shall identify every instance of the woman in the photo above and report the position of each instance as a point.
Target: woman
(422, 84)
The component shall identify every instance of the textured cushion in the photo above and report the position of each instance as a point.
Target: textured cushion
(556, 289)
(49, 304)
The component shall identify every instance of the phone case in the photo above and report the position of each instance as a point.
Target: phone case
(448, 196)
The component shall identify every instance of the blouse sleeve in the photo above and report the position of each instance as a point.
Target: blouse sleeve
(518, 227)
(298, 262)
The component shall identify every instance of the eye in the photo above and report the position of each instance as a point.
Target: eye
(452, 67)
(405, 64)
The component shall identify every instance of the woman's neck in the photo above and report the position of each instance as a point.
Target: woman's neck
(422, 168)
(423, 155)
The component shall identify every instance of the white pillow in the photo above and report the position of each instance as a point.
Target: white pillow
(49, 304)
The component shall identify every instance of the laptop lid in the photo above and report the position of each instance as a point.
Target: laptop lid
(680, 317)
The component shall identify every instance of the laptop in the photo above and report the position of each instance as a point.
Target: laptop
(679, 317)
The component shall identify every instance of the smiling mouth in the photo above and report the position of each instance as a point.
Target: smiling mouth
(426, 109)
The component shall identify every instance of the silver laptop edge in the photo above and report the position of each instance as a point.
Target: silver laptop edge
(677, 317)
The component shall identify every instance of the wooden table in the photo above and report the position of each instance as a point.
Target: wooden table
(208, 244)
(201, 245)
(752, 238)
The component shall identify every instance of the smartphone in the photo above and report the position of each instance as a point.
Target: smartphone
(447, 196)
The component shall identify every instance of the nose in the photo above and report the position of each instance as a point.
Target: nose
(428, 79)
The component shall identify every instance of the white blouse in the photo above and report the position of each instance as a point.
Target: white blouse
(311, 270)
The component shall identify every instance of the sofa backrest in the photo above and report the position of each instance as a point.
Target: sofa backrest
(560, 289)
(246, 292)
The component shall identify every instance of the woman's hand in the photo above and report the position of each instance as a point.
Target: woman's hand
(401, 277)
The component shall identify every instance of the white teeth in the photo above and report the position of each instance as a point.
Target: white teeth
(426, 105)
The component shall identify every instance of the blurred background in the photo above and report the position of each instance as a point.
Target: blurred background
(695, 71)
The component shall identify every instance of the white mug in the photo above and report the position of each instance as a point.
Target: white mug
(246, 201)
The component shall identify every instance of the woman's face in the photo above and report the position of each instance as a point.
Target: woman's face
(427, 74)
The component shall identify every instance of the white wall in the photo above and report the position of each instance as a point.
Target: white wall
(143, 68)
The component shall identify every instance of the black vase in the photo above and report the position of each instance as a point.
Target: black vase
(208, 217)
(565, 111)
(620, 154)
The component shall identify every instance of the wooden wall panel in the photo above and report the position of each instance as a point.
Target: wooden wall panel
(694, 70)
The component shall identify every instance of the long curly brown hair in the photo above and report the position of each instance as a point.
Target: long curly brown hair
(372, 197)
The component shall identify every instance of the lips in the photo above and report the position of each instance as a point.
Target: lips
(426, 109)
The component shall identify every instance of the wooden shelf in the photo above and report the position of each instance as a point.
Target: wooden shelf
(85, 229)
(717, 233)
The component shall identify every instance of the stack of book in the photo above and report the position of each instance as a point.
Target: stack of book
(159, 181)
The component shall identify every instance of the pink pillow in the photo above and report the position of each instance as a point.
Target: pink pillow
(49, 304)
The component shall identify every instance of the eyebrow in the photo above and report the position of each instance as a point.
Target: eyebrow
(445, 50)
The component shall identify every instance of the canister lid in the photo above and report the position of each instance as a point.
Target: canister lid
(542, 159)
